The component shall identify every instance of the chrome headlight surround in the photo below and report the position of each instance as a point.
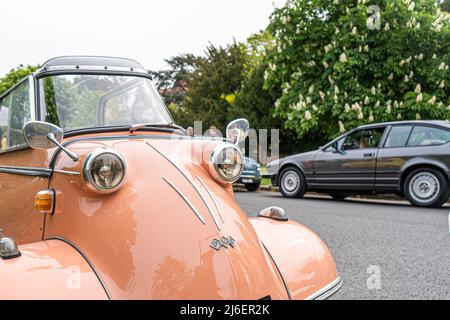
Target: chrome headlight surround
(88, 166)
(215, 163)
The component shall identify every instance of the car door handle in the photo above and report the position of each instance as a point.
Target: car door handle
(369, 155)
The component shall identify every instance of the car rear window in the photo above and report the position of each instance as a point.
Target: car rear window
(428, 136)
(398, 136)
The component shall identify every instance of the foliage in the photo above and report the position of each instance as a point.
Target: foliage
(14, 76)
(339, 69)
(214, 83)
(175, 77)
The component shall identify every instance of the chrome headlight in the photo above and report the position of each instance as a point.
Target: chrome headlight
(226, 163)
(104, 170)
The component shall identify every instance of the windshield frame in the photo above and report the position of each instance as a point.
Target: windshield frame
(96, 129)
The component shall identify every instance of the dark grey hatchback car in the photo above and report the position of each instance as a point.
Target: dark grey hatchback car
(410, 158)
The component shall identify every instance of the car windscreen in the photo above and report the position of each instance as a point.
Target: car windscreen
(91, 100)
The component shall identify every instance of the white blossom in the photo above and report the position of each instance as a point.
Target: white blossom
(419, 98)
(391, 76)
(432, 101)
(406, 79)
(388, 109)
(341, 127)
(401, 63)
(314, 107)
(330, 80)
(371, 118)
(336, 99)
(308, 115)
(322, 95)
(347, 108)
(442, 84)
(399, 116)
(420, 57)
(311, 89)
(336, 89)
(377, 104)
(386, 26)
(434, 56)
(373, 90)
(411, 6)
(308, 100)
(337, 31)
(418, 88)
(418, 117)
(343, 58)
(366, 48)
(395, 104)
(354, 30)
(325, 64)
(408, 60)
(366, 100)
(442, 66)
(277, 104)
(360, 115)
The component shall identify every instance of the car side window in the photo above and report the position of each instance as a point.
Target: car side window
(14, 113)
(363, 139)
(428, 136)
(398, 136)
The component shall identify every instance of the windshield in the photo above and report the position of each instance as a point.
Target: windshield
(86, 101)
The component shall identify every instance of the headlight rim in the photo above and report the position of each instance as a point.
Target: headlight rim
(213, 163)
(87, 175)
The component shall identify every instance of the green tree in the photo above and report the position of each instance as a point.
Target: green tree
(214, 83)
(14, 76)
(345, 63)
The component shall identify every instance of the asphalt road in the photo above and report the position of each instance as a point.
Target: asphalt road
(408, 247)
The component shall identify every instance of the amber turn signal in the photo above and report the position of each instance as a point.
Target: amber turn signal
(44, 200)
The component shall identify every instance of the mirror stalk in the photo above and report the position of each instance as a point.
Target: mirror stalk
(72, 155)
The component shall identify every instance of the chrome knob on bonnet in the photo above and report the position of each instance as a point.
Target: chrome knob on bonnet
(8, 247)
(274, 212)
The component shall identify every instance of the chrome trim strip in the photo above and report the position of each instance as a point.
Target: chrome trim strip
(213, 199)
(73, 245)
(190, 181)
(27, 171)
(279, 271)
(327, 291)
(69, 173)
(199, 216)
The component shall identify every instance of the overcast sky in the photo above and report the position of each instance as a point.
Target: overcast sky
(148, 31)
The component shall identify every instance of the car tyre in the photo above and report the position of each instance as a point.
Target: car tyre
(252, 186)
(292, 183)
(426, 187)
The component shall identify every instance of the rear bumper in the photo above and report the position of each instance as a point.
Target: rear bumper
(246, 179)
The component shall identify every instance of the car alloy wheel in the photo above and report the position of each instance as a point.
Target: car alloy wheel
(424, 187)
(292, 183)
(427, 187)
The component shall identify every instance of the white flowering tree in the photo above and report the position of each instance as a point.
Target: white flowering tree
(345, 63)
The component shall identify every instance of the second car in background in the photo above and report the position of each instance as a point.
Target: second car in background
(409, 158)
(251, 175)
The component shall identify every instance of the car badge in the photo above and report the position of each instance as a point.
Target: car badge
(225, 242)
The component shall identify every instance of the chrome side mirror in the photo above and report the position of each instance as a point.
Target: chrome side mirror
(237, 130)
(44, 135)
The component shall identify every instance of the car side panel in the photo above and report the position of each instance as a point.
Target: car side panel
(302, 258)
(393, 162)
(49, 270)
